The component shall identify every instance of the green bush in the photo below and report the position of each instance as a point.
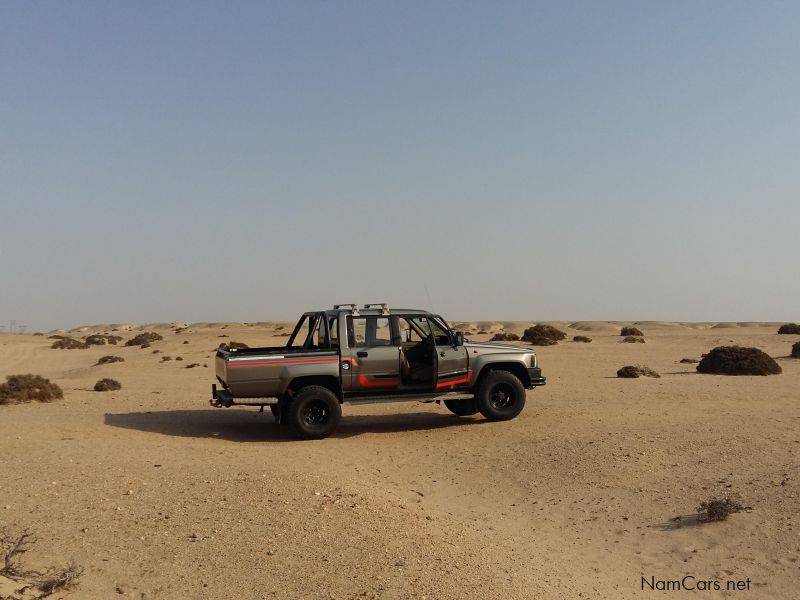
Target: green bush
(68, 343)
(144, 339)
(104, 360)
(107, 385)
(502, 336)
(28, 388)
(790, 328)
(543, 335)
(626, 331)
(736, 360)
(636, 371)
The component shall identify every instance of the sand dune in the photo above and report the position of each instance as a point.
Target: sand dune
(161, 496)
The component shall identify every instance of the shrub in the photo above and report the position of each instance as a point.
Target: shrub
(165, 358)
(689, 361)
(104, 360)
(46, 582)
(582, 338)
(790, 328)
(626, 331)
(543, 335)
(185, 341)
(100, 339)
(635, 371)
(718, 510)
(736, 360)
(192, 365)
(178, 358)
(633, 339)
(796, 350)
(28, 388)
(107, 385)
(233, 346)
(144, 339)
(502, 336)
(68, 343)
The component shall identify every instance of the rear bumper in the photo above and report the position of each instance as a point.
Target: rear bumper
(535, 375)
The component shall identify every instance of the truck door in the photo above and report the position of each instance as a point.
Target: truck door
(452, 361)
(374, 358)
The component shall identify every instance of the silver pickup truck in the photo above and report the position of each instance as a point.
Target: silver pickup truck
(352, 355)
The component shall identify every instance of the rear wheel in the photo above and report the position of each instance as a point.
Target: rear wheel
(313, 413)
(501, 396)
(462, 408)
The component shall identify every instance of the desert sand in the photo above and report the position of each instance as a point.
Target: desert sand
(158, 495)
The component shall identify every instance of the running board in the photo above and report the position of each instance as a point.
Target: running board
(426, 398)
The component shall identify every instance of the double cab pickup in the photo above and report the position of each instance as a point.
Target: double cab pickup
(352, 355)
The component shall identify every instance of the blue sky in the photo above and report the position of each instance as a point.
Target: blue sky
(537, 161)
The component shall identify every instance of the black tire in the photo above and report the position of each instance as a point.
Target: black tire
(313, 413)
(462, 408)
(501, 396)
(273, 408)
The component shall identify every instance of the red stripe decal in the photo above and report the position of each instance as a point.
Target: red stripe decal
(455, 381)
(366, 383)
(308, 361)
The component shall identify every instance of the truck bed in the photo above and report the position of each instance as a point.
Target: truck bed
(263, 372)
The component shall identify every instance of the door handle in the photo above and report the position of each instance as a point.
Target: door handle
(362, 353)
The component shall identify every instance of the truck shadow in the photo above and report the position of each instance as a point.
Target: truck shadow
(250, 426)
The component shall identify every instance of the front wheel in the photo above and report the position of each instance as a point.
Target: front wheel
(501, 396)
(313, 413)
(462, 408)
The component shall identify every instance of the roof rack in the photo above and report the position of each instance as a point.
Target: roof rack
(353, 306)
(383, 305)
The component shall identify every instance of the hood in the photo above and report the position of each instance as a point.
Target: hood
(498, 347)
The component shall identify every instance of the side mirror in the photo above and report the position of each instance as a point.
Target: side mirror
(458, 339)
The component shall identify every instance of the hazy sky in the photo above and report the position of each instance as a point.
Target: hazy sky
(251, 160)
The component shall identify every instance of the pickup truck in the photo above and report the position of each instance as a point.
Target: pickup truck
(352, 355)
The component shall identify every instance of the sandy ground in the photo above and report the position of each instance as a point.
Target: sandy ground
(158, 495)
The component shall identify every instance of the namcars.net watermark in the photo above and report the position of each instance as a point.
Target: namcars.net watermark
(692, 583)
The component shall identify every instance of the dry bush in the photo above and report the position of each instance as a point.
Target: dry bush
(635, 371)
(736, 360)
(192, 365)
(632, 339)
(543, 335)
(35, 584)
(144, 339)
(233, 346)
(28, 388)
(178, 358)
(689, 361)
(38, 333)
(790, 328)
(502, 336)
(626, 331)
(582, 338)
(56, 336)
(185, 341)
(107, 385)
(796, 350)
(718, 509)
(105, 360)
(68, 343)
(101, 339)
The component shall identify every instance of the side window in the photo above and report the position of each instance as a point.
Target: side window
(366, 332)
(333, 327)
(409, 332)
